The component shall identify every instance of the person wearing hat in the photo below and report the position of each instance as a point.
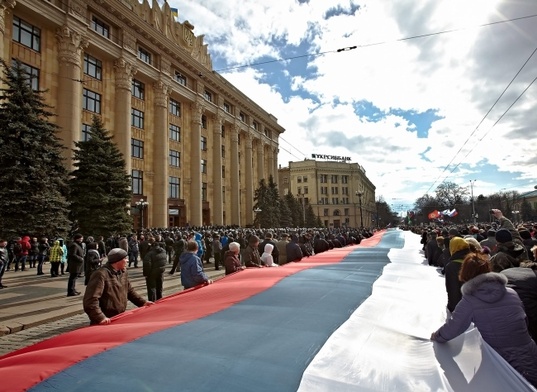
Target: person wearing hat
(490, 241)
(509, 253)
(458, 248)
(109, 290)
(75, 263)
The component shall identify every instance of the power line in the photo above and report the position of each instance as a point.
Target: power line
(377, 43)
(483, 119)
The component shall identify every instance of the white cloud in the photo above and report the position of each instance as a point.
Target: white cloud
(460, 74)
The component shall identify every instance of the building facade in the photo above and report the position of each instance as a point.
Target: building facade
(339, 192)
(194, 144)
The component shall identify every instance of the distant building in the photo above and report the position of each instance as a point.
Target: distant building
(194, 144)
(339, 192)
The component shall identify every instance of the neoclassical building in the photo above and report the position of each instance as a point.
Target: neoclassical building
(339, 192)
(195, 145)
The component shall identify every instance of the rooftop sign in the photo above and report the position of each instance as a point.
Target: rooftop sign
(330, 157)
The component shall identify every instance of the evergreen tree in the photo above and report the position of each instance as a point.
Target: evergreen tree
(100, 188)
(33, 180)
(267, 199)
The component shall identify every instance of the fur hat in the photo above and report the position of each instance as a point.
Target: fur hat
(504, 235)
(115, 255)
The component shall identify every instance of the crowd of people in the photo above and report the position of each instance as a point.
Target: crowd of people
(491, 280)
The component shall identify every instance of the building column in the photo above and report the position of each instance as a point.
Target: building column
(271, 165)
(249, 180)
(124, 71)
(235, 181)
(5, 7)
(217, 205)
(274, 153)
(160, 155)
(70, 46)
(261, 161)
(195, 166)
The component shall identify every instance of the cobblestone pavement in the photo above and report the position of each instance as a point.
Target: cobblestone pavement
(26, 337)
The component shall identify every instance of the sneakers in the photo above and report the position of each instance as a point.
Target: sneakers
(2, 286)
(73, 294)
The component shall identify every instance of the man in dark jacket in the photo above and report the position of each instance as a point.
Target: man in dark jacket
(109, 289)
(293, 251)
(75, 263)
(458, 248)
(154, 267)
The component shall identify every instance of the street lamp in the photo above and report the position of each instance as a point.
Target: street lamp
(257, 210)
(303, 208)
(141, 205)
(473, 204)
(359, 194)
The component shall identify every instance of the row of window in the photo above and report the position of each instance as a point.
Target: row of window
(326, 212)
(174, 185)
(334, 200)
(334, 178)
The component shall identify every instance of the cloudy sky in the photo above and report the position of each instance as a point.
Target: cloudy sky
(410, 103)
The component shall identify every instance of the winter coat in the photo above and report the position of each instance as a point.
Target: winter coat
(231, 262)
(453, 284)
(320, 245)
(294, 253)
(75, 257)
(25, 246)
(251, 257)
(499, 315)
(192, 273)
(107, 294)
(524, 282)
(275, 251)
(266, 257)
(92, 263)
(508, 255)
(155, 260)
(282, 251)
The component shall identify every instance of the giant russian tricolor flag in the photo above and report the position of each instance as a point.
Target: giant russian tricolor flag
(351, 319)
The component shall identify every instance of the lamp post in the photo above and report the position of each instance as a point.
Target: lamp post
(141, 205)
(473, 203)
(257, 210)
(359, 194)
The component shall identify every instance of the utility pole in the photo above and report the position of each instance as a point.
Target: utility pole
(473, 203)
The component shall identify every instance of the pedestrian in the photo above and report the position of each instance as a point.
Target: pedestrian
(250, 256)
(217, 251)
(21, 248)
(282, 248)
(134, 251)
(63, 263)
(293, 251)
(42, 254)
(75, 263)
(92, 261)
(4, 259)
(109, 289)
(33, 252)
(268, 240)
(154, 265)
(192, 273)
(266, 258)
(231, 259)
(55, 258)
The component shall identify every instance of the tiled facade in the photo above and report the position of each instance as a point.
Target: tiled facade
(339, 192)
(195, 145)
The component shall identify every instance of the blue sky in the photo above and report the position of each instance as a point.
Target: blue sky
(411, 111)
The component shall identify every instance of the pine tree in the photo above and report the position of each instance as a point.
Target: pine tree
(33, 179)
(100, 187)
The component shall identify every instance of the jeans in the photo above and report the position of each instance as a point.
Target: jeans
(54, 268)
(72, 282)
(154, 283)
(40, 261)
(22, 261)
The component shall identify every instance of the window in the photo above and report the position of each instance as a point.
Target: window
(93, 67)
(175, 107)
(333, 179)
(305, 190)
(336, 212)
(137, 89)
(179, 77)
(268, 133)
(325, 212)
(86, 135)
(204, 165)
(26, 34)
(204, 121)
(346, 212)
(175, 133)
(100, 27)
(299, 191)
(208, 96)
(242, 117)
(144, 55)
(323, 178)
(203, 143)
(223, 172)
(324, 190)
(137, 177)
(33, 75)
(335, 190)
(175, 158)
(227, 107)
(305, 178)
(173, 188)
(345, 190)
(223, 152)
(137, 118)
(204, 191)
(91, 101)
(344, 179)
(223, 131)
(137, 148)
(285, 180)
(254, 125)
(299, 179)
(345, 200)
(335, 200)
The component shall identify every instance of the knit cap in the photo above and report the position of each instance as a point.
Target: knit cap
(504, 235)
(115, 255)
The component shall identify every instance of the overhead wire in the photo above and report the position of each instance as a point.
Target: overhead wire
(483, 119)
